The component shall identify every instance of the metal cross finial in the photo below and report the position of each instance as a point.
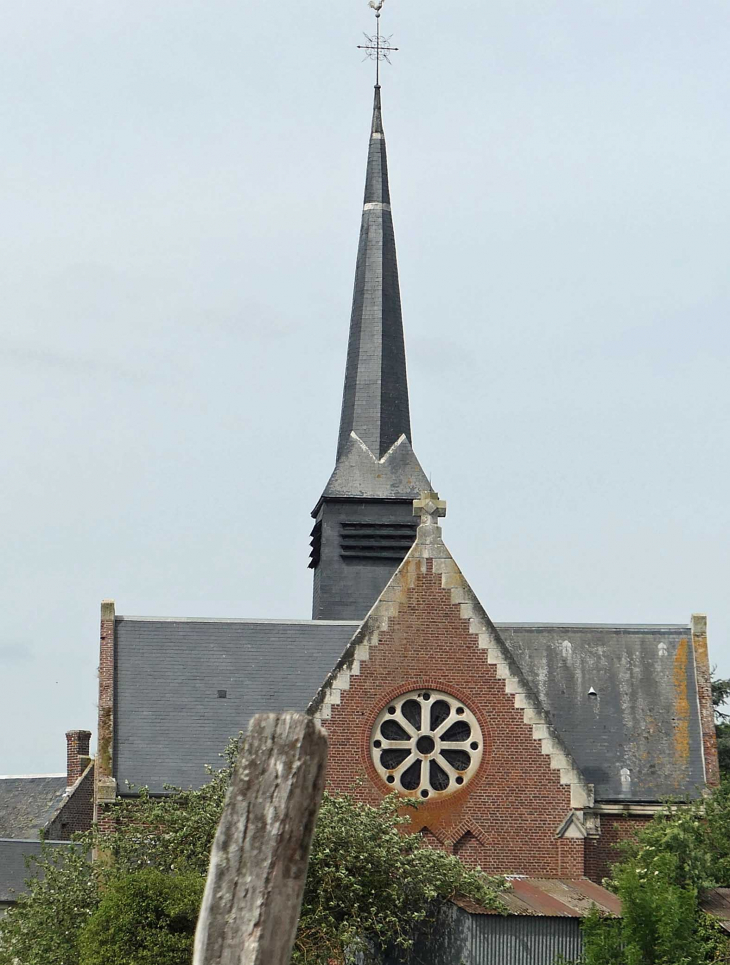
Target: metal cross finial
(429, 507)
(377, 47)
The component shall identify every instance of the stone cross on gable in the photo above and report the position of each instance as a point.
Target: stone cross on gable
(429, 507)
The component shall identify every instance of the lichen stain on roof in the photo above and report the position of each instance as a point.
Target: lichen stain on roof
(644, 716)
(681, 726)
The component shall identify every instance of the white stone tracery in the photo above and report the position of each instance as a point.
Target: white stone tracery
(426, 744)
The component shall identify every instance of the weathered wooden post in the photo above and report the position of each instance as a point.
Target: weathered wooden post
(258, 864)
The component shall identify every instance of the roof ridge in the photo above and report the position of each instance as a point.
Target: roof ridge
(248, 620)
(28, 777)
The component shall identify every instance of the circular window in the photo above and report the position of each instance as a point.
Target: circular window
(426, 744)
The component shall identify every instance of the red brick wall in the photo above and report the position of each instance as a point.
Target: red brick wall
(571, 857)
(77, 814)
(602, 852)
(511, 810)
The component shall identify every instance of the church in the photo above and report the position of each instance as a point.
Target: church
(532, 748)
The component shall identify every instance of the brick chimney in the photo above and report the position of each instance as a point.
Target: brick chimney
(77, 754)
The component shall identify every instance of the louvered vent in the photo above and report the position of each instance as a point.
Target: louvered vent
(316, 544)
(382, 541)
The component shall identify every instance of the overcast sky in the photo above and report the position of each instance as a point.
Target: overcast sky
(182, 193)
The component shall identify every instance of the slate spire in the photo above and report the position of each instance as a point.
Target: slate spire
(375, 397)
(364, 518)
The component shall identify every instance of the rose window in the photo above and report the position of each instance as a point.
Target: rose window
(426, 744)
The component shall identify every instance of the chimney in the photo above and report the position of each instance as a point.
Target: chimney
(77, 754)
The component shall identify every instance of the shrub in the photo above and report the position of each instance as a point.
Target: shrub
(144, 918)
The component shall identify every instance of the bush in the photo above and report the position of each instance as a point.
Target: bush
(370, 885)
(144, 918)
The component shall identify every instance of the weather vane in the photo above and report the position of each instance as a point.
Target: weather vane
(377, 47)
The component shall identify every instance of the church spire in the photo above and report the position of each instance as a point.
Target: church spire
(375, 398)
(364, 518)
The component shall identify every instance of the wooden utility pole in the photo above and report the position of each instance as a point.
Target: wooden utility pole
(258, 864)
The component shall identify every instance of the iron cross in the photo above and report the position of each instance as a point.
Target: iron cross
(377, 47)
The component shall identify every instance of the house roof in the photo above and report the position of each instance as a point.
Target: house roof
(169, 720)
(638, 737)
(27, 804)
(13, 870)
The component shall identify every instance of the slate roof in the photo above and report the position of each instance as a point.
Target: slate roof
(396, 475)
(169, 720)
(13, 870)
(644, 718)
(375, 398)
(27, 804)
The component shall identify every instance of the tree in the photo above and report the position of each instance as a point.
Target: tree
(720, 696)
(368, 884)
(683, 851)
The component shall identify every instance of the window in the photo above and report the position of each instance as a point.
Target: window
(426, 744)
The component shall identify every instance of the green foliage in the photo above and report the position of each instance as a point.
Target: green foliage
(43, 927)
(683, 851)
(723, 747)
(368, 885)
(144, 918)
(720, 696)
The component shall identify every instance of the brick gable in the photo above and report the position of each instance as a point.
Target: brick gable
(429, 632)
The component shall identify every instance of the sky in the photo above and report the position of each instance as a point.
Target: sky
(182, 185)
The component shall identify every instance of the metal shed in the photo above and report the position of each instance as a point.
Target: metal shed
(542, 922)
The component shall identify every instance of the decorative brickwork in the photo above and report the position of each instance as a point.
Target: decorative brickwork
(428, 631)
(602, 852)
(704, 691)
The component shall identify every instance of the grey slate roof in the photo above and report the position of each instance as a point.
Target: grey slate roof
(27, 804)
(168, 719)
(644, 718)
(397, 475)
(375, 399)
(13, 870)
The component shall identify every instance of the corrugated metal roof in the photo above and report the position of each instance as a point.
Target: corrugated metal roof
(551, 898)
(717, 904)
